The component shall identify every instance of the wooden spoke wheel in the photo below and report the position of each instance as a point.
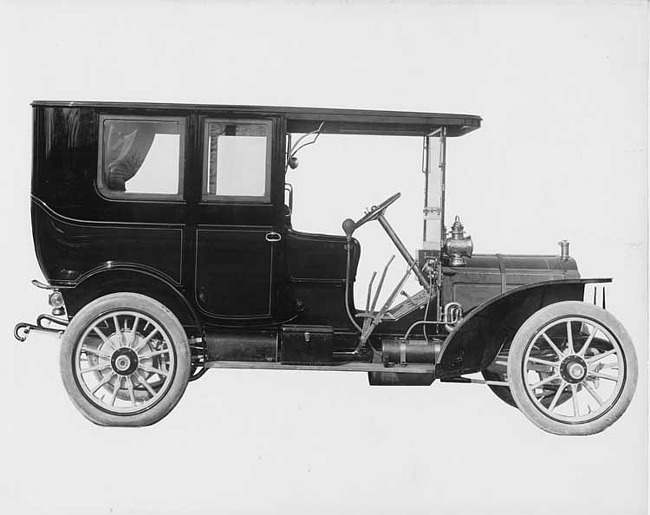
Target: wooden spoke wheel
(125, 360)
(572, 369)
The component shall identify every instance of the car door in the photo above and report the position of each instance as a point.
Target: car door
(237, 235)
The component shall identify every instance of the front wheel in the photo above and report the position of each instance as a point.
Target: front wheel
(572, 368)
(125, 360)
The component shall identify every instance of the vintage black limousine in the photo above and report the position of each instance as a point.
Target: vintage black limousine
(164, 235)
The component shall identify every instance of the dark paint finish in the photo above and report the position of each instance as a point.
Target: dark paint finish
(307, 119)
(76, 229)
(477, 339)
(327, 265)
(261, 346)
(306, 344)
(135, 278)
(70, 248)
(486, 276)
(213, 263)
(231, 262)
(316, 269)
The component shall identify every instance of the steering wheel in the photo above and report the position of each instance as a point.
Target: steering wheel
(376, 211)
(349, 226)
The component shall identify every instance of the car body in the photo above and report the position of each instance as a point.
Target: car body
(155, 281)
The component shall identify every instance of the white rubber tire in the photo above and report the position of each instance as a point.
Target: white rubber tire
(526, 335)
(178, 343)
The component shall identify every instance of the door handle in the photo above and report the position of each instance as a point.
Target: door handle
(273, 236)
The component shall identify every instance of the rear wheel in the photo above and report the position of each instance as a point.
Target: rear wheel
(572, 369)
(125, 360)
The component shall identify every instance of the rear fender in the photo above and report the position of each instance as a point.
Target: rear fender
(127, 277)
(477, 339)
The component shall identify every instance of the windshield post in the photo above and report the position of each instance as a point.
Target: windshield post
(434, 148)
(442, 165)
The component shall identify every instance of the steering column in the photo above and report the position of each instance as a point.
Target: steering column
(377, 213)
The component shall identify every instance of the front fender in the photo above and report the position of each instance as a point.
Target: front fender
(478, 338)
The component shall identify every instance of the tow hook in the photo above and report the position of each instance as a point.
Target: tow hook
(22, 330)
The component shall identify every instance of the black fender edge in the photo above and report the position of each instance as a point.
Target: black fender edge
(477, 339)
(130, 277)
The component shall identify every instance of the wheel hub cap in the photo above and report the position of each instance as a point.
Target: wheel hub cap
(573, 369)
(576, 370)
(124, 361)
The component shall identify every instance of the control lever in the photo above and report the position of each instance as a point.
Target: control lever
(372, 279)
(369, 328)
(410, 299)
(381, 283)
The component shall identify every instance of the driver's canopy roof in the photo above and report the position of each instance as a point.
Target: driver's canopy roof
(308, 119)
(358, 121)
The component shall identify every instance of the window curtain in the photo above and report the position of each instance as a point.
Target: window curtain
(126, 145)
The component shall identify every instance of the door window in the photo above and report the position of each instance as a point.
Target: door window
(237, 160)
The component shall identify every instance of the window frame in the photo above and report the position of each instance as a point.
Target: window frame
(213, 197)
(125, 195)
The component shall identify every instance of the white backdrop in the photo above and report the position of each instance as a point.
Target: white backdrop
(562, 154)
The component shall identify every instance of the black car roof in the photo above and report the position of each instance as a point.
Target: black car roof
(306, 119)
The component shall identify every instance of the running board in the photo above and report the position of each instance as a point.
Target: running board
(343, 367)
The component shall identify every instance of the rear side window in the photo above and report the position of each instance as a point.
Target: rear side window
(141, 157)
(237, 158)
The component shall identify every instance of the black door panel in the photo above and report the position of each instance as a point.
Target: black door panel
(234, 271)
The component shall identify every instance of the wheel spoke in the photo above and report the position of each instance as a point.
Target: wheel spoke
(129, 385)
(103, 382)
(118, 385)
(587, 343)
(133, 330)
(104, 338)
(601, 356)
(145, 340)
(556, 397)
(96, 352)
(553, 364)
(144, 383)
(154, 353)
(574, 398)
(153, 370)
(545, 381)
(553, 346)
(593, 393)
(119, 331)
(96, 368)
(603, 376)
(569, 335)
